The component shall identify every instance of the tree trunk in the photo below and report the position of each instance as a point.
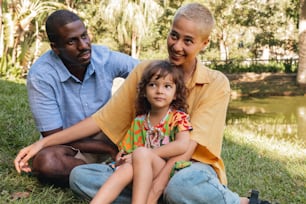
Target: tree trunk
(301, 75)
(134, 46)
(223, 48)
(1, 32)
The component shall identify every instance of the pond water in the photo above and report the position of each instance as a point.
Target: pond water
(283, 115)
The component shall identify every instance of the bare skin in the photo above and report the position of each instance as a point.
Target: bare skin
(54, 164)
(85, 127)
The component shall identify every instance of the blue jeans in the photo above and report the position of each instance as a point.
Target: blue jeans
(196, 184)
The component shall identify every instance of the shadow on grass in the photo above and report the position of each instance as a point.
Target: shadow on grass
(247, 168)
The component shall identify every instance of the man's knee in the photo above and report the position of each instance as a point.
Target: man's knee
(43, 162)
(53, 165)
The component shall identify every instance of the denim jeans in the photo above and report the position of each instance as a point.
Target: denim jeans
(196, 184)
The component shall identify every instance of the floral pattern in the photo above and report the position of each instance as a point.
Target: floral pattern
(142, 134)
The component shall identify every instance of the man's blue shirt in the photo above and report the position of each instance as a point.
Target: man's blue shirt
(59, 99)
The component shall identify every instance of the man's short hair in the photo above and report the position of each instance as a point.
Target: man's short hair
(58, 19)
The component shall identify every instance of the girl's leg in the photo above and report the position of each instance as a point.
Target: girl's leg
(114, 185)
(86, 180)
(146, 166)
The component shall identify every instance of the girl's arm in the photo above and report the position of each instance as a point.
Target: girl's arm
(175, 148)
(78, 131)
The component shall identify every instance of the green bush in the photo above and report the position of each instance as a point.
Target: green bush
(257, 66)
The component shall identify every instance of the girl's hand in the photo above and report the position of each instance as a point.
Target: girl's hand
(25, 154)
(119, 155)
(123, 158)
(127, 158)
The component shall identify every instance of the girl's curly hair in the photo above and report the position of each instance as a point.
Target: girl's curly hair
(162, 68)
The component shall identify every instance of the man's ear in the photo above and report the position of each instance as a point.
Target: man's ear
(54, 48)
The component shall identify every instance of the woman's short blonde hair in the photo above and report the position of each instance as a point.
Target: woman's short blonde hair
(199, 14)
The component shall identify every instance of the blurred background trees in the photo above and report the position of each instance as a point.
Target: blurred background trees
(247, 32)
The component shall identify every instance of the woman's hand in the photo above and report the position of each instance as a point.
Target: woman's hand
(22, 159)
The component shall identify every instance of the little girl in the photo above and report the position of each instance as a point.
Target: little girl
(159, 131)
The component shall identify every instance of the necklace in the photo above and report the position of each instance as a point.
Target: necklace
(155, 137)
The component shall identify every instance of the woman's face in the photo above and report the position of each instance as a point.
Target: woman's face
(184, 42)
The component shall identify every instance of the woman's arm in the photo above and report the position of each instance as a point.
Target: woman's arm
(81, 130)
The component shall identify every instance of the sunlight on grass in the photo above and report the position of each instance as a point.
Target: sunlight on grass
(257, 156)
(278, 148)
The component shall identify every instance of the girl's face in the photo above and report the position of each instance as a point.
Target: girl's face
(184, 42)
(160, 92)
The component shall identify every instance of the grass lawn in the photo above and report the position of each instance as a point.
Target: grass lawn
(276, 168)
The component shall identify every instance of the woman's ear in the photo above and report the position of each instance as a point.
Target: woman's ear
(205, 43)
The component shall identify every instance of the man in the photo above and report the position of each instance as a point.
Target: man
(67, 84)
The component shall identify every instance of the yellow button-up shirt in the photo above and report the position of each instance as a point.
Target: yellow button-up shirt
(209, 94)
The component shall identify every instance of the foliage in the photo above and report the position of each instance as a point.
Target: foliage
(21, 34)
(257, 66)
(131, 20)
(154, 45)
(244, 29)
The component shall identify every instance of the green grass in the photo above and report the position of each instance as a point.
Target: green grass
(18, 130)
(277, 168)
(255, 160)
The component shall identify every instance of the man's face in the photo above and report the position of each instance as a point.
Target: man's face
(73, 45)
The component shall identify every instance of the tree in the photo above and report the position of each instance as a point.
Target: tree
(20, 34)
(301, 75)
(131, 20)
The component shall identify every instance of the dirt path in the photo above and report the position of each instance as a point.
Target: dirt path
(264, 84)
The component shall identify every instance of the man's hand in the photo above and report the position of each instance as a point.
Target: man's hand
(22, 159)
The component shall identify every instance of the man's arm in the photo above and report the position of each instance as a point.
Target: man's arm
(76, 132)
(50, 132)
(161, 181)
(90, 144)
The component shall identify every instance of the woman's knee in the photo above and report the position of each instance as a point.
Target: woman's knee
(197, 184)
